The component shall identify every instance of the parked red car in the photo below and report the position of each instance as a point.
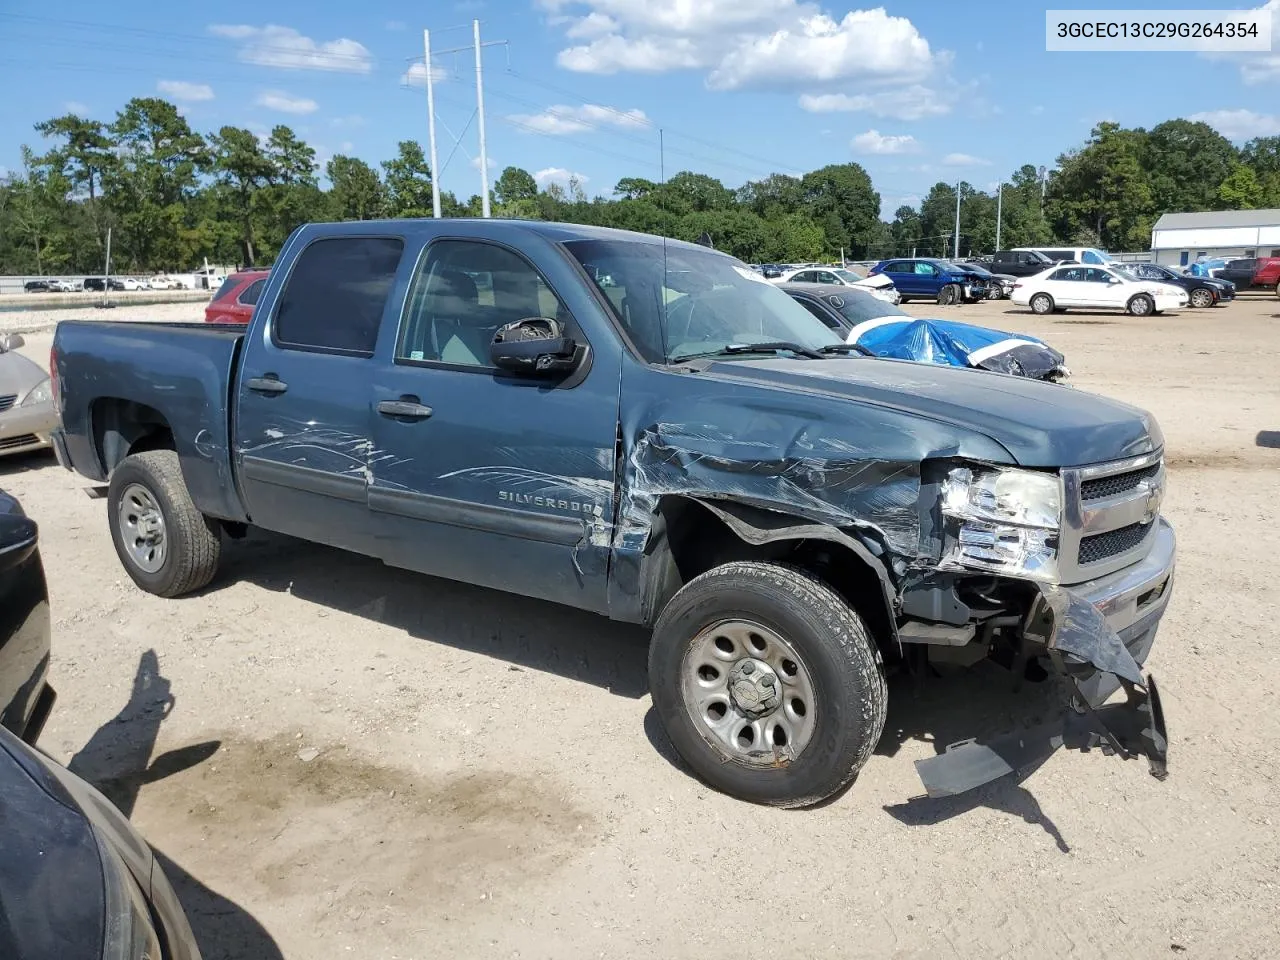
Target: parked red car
(235, 299)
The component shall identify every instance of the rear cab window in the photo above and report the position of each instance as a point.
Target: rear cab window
(335, 295)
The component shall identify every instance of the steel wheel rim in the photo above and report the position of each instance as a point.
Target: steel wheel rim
(1201, 298)
(725, 684)
(140, 522)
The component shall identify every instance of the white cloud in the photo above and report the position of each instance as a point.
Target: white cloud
(346, 146)
(395, 26)
(352, 120)
(889, 205)
(558, 175)
(284, 47)
(745, 43)
(76, 107)
(1037, 110)
(1258, 67)
(285, 102)
(873, 141)
(907, 103)
(185, 92)
(1240, 124)
(416, 75)
(492, 164)
(964, 160)
(561, 119)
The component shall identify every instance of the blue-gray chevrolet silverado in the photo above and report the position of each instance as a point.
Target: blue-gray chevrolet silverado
(650, 430)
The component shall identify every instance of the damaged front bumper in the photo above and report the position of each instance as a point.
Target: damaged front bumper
(1096, 635)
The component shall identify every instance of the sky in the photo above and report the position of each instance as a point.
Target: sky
(916, 91)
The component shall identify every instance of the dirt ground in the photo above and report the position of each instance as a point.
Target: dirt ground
(336, 758)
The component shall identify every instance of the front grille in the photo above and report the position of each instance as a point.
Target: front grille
(1102, 546)
(1113, 486)
(7, 400)
(25, 440)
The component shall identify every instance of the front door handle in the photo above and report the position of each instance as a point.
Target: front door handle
(404, 409)
(266, 385)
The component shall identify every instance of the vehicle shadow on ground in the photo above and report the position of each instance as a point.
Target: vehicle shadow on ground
(958, 705)
(117, 760)
(16, 463)
(533, 634)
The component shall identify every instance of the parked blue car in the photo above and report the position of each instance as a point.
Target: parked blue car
(939, 280)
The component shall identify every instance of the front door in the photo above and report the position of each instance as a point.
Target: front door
(302, 411)
(480, 476)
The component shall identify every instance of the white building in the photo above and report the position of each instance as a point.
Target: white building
(1178, 239)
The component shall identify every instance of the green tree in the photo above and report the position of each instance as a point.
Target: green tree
(634, 188)
(356, 192)
(243, 167)
(841, 200)
(1240, 189)
(515, 186)
(693, 192)
(774, 196)
(1102, 192)
(82, 153)
(1185, 161)
(408, 182)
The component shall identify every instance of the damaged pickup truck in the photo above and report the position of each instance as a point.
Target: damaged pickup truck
(650, 430)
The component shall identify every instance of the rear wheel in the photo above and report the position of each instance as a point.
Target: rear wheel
(1041, 303)
(1141, 305)
(1202, 298)
(767, 683)
(166, 545)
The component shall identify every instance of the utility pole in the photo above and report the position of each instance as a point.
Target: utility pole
(956, 254)
(484, 156)
(999, 206)
(431, 126)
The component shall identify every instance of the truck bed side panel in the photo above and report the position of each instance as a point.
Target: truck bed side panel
(181, 371)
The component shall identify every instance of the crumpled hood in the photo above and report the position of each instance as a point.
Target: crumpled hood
(1040, 424)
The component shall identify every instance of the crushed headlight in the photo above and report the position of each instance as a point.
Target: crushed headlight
(40, 393)
(1002, 520)
(127, 928)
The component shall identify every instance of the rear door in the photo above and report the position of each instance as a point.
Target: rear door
(902, 273)
(492, 479)
(1064, 285)
(303, 404)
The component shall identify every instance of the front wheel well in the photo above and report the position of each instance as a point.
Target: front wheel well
(122, 428)
(695, 539)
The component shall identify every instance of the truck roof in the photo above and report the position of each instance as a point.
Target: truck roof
(497, 227)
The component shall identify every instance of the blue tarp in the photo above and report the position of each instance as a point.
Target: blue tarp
(955, 344)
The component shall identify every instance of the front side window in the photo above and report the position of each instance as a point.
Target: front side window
(1095, 275)
(463, 292)
(336, 293)
(924, 269)
(675, 303)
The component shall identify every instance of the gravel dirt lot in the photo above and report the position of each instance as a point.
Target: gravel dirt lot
(340, 759)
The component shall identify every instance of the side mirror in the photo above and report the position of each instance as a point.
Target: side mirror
(535, 346)
(11, 341)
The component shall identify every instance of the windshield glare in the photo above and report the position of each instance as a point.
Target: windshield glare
(676, 303)
(857, 307)
(848, 276)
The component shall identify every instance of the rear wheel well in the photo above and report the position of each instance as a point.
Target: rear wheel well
(123, 427)
(696, 540)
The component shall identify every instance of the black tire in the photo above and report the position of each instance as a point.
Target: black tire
(1202, 297)
(1278, 290)
(839, 657)
(1142, 305)
(1041, 304)
(950, 294)
(192, 541)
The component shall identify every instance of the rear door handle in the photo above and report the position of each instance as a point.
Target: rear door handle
(404, 409)
(266, 385)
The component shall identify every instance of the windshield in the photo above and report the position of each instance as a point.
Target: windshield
(676, 303)
(848, 276)
(857, 307)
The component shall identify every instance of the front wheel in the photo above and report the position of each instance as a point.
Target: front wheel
(767, 683)
(949, 294)
(166, 545)
(1202, 298)
(1141, 305)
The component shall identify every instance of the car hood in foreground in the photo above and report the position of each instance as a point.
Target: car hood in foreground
(1040, 424)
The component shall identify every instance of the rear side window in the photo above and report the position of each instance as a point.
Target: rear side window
(818, 312)
(252, 292)
(335, 296)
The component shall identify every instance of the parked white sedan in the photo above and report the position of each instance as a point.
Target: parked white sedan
(1062, 287)
(878, 285)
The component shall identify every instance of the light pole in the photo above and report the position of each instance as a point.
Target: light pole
(956, 254)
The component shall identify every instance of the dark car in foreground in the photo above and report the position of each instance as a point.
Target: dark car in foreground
(236, 298)
(1201, 291)
(25, 695)
(654, 432)
(77, 882)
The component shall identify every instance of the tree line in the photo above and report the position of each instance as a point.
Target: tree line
(172, 197)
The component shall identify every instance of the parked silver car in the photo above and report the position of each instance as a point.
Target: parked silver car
(27, 413)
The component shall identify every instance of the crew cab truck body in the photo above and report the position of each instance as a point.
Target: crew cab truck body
(650, 430)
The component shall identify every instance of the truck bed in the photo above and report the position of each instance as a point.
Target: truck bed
(179, 374)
